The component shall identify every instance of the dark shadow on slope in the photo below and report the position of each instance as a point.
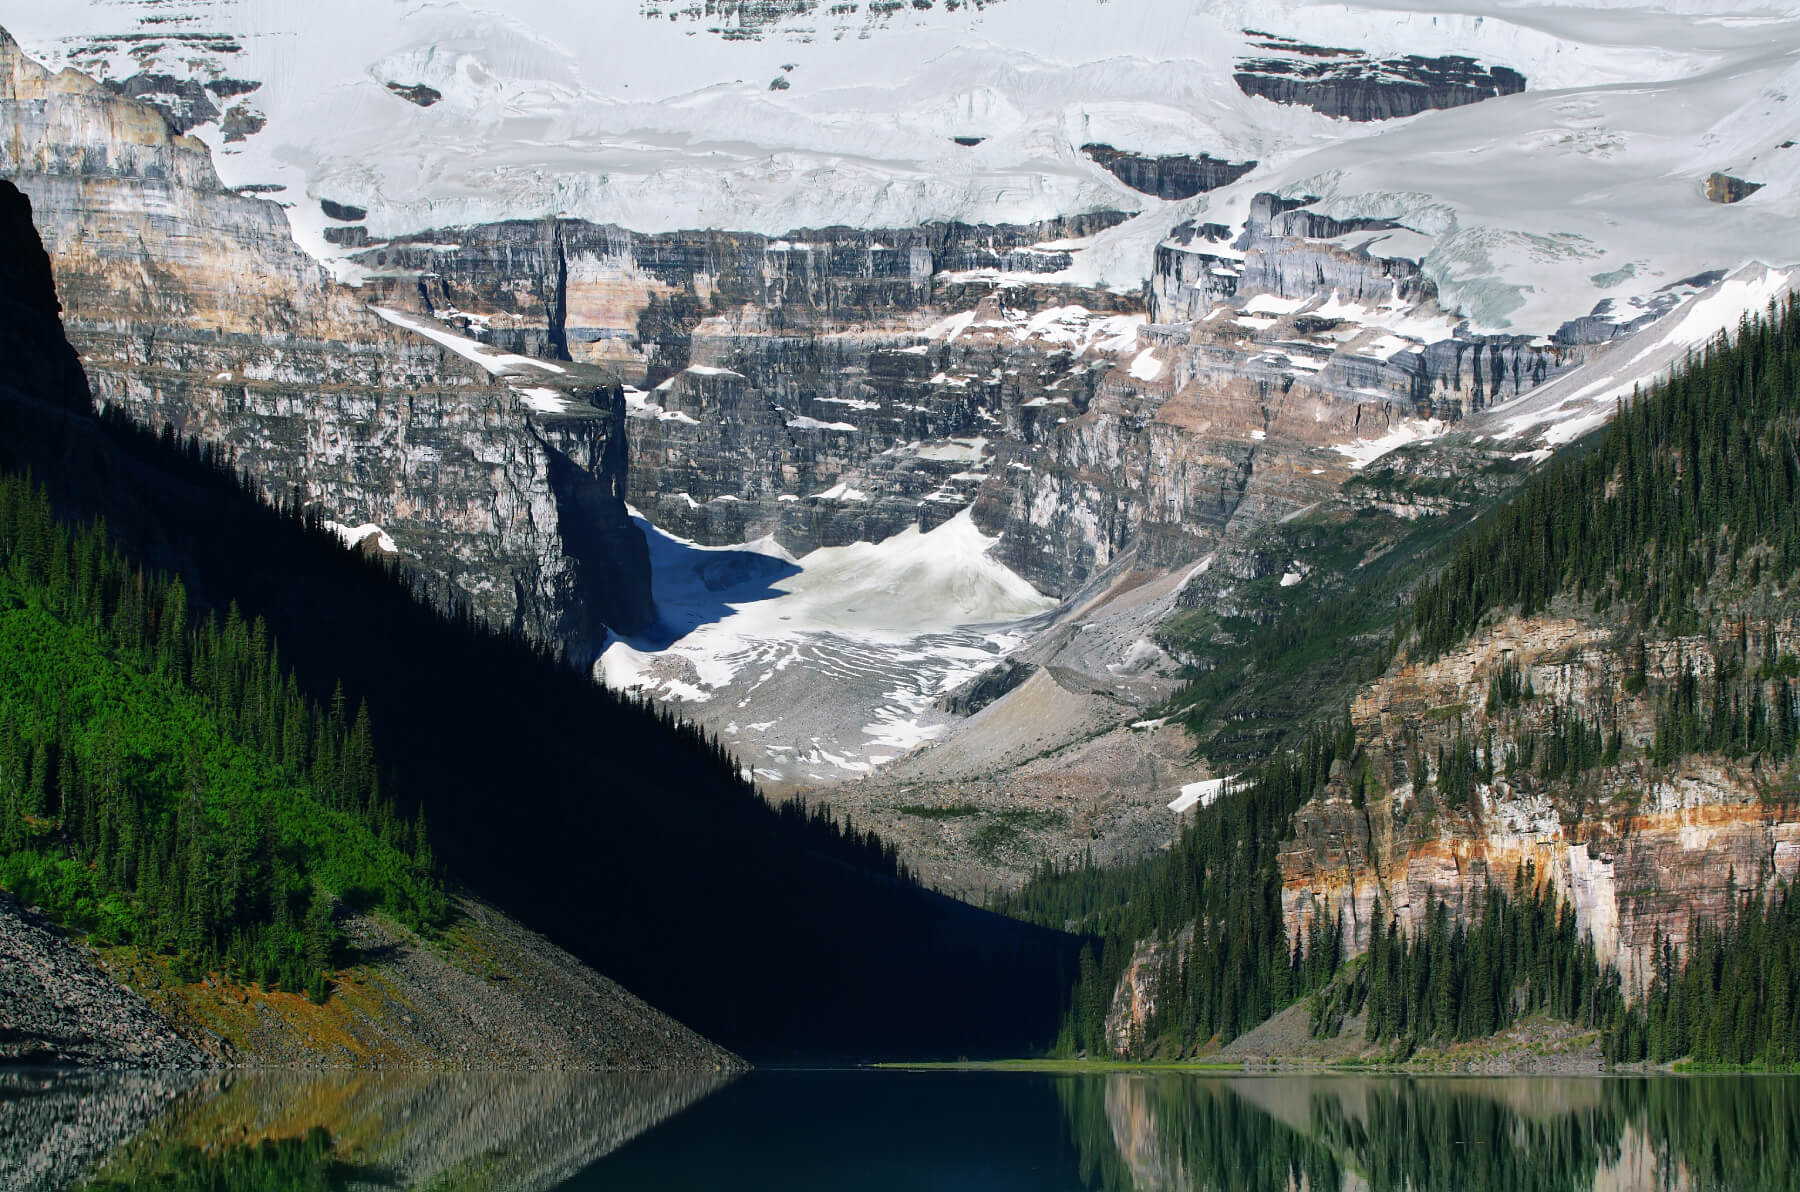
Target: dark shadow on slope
(696, 585)
(626, 838)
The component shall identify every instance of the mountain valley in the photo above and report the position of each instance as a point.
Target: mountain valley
(921, 531)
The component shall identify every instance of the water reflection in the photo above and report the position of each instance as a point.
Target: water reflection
(874, 1131)
(238, 1132)
(1146, 1133)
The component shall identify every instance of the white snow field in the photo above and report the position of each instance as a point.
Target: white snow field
(1530, 209)
(1562, 410)
(868, 635)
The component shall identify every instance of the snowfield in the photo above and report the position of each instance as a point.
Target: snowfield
(824, 667)
(1527, 210)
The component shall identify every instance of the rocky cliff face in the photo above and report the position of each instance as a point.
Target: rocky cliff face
(835, 385)
(799, 386)
(1167, 176)
(1276, 362)
(1637, 852)
(192, 307)
(1356, 86)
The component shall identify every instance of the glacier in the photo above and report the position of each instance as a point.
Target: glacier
(1532, 208)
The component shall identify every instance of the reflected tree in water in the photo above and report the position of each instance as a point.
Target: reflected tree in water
(1141, 1132)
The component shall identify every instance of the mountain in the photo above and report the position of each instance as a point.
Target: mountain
(558, 801)
(1593, 129)
(168, 790)
(192, 307)
(1010, 429)
(1155, 408)
(1568, 789)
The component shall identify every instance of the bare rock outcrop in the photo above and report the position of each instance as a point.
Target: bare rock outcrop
(1357, 86)
(192, 307)
(1640, 853)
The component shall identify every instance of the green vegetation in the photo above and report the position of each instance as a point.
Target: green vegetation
(305, 1164)
(1006, 828)
(1261, 679)
(1731, 998)
(952, 811)
(1218, 892)
(1688, 503)
(603, 822)
(1696, 482)
(163, 781)
(1456, 980)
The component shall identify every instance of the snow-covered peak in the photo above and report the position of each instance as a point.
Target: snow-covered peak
(659, 115)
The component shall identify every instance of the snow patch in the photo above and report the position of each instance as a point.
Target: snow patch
(495, 362)
(1204, 793)
(1145, 366)
(1363, 452)
(544, 401)
(354, 536)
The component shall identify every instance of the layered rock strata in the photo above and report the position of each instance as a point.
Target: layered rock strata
(1641, 853)
(790, 385)
(831, 386)
(1276, 362)
(192, 307)
(1357, 86)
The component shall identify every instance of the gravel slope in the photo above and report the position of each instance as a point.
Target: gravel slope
(59, 1006)
(486, 994)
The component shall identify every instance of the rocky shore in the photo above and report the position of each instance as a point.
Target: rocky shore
(58, 1005)
(485, 994)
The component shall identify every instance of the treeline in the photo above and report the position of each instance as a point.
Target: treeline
(1214, 900)
(1459, 978)
(181, 852)
(591, 818)
(1730, 997)
(163, 779)
(1694, 488)
(1695, 481)
(502, 653)
(842, 838)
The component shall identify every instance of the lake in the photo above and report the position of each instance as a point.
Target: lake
(881, 1130)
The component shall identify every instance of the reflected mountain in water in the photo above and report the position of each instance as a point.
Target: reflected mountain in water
(55, 1125)
(349, 1129)
(1148, 1133)
(888, 1131)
